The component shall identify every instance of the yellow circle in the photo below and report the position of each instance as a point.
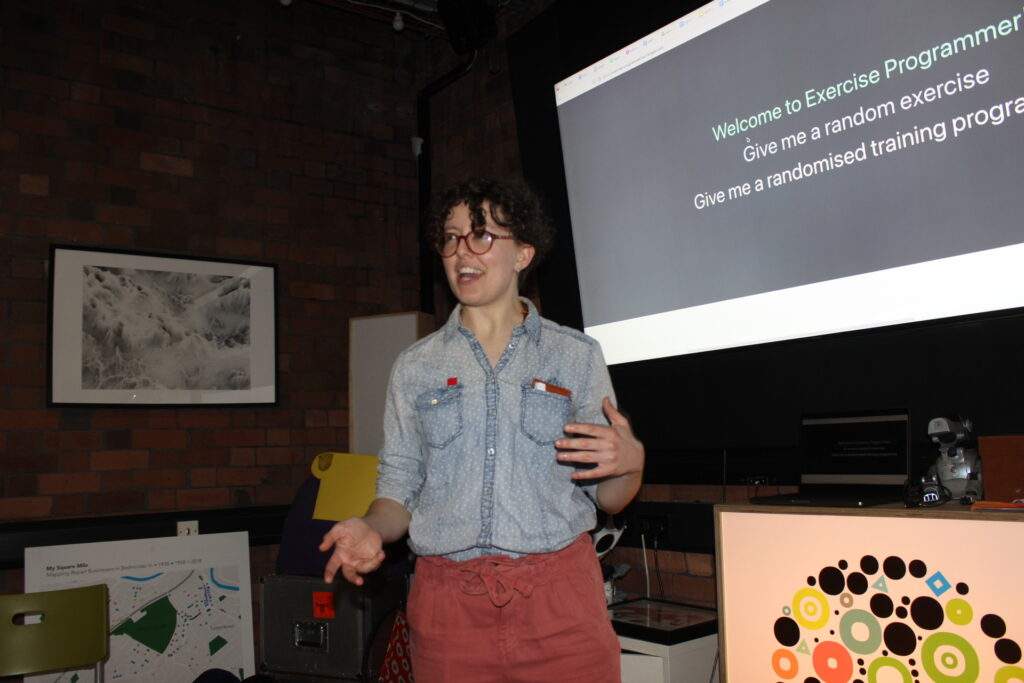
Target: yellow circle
(806, 617)
(959, 611)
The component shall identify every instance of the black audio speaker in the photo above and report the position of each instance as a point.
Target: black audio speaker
(311, 628)
(471, 24)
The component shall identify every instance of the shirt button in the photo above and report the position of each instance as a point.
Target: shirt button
(511, 346)
(490, 451)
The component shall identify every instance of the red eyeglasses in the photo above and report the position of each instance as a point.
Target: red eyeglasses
(477, 242)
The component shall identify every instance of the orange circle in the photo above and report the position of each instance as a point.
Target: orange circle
(832, 662)
(781, 655)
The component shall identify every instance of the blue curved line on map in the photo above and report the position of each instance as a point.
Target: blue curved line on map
(142, 578)
(218, 584)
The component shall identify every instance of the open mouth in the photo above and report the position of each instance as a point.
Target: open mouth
(469, 274)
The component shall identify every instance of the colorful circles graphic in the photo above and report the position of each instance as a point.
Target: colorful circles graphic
(860, 631)
(832, 662)
(959, 611)
(913, 628)
(784, 663)
(810, 608)
(949, 658)
(888, 663)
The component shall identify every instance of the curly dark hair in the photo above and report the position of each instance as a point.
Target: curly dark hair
(513, 206)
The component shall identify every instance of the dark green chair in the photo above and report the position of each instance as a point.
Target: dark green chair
(53, 630)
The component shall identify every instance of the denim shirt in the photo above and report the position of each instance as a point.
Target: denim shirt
(469, 449)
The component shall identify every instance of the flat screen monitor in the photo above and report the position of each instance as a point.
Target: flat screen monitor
(766, 170)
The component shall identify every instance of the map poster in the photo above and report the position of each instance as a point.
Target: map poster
(179, 605)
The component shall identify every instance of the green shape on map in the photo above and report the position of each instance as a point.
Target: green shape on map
(155, 628)
(880, 585)
(802, 648)
(216, 644)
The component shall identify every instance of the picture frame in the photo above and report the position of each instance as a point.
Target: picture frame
(144, 329)
(837, 594)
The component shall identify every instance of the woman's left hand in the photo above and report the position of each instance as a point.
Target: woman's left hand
(614, 449)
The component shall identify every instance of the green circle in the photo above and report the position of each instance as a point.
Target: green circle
(859, 616)
(1007, 673)
(889, 663)
(959, 611)
(933, 642)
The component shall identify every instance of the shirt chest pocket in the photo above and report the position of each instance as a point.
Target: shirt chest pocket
(440, 414)
(543, 415)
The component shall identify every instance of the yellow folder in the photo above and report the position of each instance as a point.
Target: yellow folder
(347, 484)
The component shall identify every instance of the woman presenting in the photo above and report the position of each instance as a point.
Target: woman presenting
(500, 440)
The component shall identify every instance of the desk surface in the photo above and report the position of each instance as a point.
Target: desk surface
(661, 621)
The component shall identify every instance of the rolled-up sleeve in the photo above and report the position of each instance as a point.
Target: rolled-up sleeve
(589, 410)
(401, 470)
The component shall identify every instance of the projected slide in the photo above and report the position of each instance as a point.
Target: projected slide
(760, 171)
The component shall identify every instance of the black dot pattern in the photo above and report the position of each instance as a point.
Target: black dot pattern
(926, 612)
(1007, 651)
(787, 631)
(918, 569)
(881, 605)
(900, 638)
(993, 626)
(894, 568)
(857, 583)
(831, 580)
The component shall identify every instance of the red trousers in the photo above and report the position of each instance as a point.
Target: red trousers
(533, 619)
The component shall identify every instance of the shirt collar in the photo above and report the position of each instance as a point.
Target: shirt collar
(531, 324)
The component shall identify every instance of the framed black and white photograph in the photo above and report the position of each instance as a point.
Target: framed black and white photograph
(146, 329)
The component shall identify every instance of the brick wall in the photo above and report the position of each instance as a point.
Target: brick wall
(474, 124)
(230, 129)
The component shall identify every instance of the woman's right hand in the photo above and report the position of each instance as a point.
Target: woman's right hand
(357, 550)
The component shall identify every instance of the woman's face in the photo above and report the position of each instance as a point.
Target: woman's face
(484, 279)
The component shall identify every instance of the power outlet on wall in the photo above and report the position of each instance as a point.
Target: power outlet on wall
(188, 527)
